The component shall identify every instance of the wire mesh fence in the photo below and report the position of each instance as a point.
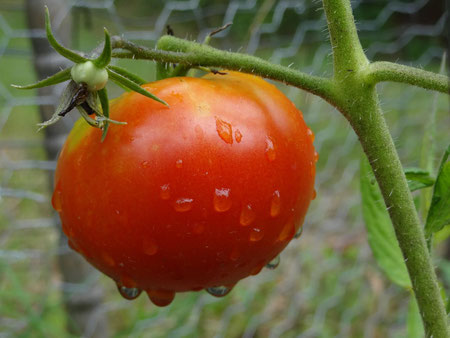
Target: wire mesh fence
(327, 284)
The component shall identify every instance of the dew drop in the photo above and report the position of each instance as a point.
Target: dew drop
(222, 200)
(275, 205)
(179, 164)
(247, 215)
(183, 204)
(310, 133)
(218, 291)
(224, 130)
(149, 246)
(314, 195)
(270, 149)
(160, 297)
(164, 193)
(56, 200)
(145, 164)
(129, 293)
(256, 235)
(238, 135)
(288, 231)
(273, 264)
(299, 232)
(316, 156)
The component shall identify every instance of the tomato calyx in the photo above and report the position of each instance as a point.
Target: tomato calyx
(86, 90)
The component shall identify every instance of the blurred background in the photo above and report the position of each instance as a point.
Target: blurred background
(327, 285)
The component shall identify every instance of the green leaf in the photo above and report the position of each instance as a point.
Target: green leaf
(439, 213)
(418, 178)
(59, 77)
(380, 232)
(414, 322)
(122, 80)
(103, 96)
(128, 75)
(105, 57)
(67, 53)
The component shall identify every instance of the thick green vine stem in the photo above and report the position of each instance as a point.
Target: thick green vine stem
(359, 104)
(351, 90)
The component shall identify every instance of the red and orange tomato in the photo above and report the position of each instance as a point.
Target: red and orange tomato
(197, 195)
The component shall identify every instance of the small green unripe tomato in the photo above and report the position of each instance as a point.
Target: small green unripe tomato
(88, 73)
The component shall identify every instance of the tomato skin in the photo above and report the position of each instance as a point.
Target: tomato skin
(199, 194)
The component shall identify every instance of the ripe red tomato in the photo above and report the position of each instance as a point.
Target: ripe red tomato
(193, 196)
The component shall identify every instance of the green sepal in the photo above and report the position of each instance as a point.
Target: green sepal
(123, 81)
(67, 53)
(93, 122)
(105, 57)
(125, 73)
(103, 96)
(59, 77)
(66, 103)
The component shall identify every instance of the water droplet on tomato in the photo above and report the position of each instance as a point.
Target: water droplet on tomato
(238, 135)
(270, 149)
(145, 164)
(287, 232)
(183, 204)
(149, 246)
(273, 264)
(316, 156)
(256, 235)
(57, 200)
(179, 164)
(224, 130)
(218, 291)
(299, 232)
(275, 205)
(222, 200)
(129, 293)
(247, 215)
(314, 195)
(160, 297)
(310, 133)
(164, 193)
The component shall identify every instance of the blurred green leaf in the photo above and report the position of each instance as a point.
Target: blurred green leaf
(418, 178)
(413, 320)
(439, 213)
(380, 232)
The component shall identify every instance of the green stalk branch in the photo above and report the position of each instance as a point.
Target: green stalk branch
(175, 50)
(388, 71)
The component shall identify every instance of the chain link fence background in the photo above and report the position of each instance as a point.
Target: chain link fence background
(327, 284)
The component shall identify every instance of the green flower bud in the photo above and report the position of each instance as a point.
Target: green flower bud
(88, 73)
